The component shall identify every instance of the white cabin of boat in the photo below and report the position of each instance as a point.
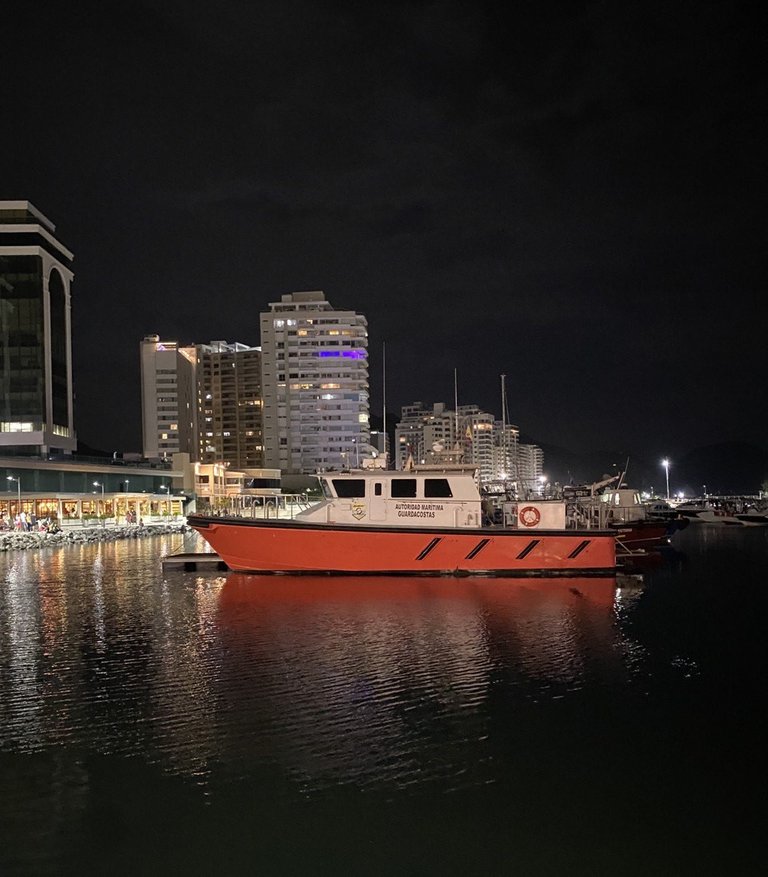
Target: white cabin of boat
(624, 504)
(426, 496)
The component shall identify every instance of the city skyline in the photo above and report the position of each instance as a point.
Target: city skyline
(565, 196)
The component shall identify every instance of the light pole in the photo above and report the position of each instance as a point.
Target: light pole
(665, 464)
(103, 505)
(18, 485)
(357, 452)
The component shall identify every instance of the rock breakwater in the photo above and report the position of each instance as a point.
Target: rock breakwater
(20, 541)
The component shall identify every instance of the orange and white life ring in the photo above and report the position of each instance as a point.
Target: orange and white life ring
(529, 516)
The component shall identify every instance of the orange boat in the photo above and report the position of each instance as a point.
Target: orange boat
(426, 521)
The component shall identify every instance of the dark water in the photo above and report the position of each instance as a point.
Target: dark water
(187, 723)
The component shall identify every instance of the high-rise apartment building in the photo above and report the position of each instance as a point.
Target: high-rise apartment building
(530, 467)
(168, 398)
(315, 385)
(506, 438)
(476, 432)
(229, 404)
(203, 400)
(36, 409)
(424, 435)
(469, 436)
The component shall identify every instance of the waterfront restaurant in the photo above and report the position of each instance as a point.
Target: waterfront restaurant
(79, 491)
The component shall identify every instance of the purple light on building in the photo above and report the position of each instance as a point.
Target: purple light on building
(349, 354)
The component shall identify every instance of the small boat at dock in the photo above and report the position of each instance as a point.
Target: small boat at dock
(732, 512)
(620, 508)
(424, 521)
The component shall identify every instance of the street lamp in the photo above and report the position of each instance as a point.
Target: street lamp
(357, 452)
(665, 464)
(103, 504)
(18, 485)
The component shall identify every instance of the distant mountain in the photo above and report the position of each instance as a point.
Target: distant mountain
(726, 468)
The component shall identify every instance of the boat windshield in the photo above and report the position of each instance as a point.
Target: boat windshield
(349, 488)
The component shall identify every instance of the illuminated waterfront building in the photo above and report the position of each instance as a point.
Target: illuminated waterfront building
(505, 457)
(476, 434)
(423, 433)
(315, 385)
(468, 436)
(36, 409)
(80, 491)
(229, 404)
(168, 398)
(203, 400)
(380, 443)
(530, 462)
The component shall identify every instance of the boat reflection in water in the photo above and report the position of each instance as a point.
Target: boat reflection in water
(356, 680)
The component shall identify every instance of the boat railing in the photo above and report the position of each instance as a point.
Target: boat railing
(264, 507)
(589, 515)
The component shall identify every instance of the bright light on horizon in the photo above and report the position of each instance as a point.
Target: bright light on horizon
(665, 464)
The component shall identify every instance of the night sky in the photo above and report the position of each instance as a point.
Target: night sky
(572, 194)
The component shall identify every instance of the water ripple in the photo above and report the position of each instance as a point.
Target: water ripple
(356, 682)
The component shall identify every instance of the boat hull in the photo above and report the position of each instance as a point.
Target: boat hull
(293, 547)
(648, 534)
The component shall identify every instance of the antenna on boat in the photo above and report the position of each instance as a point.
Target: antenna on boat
(459, 455)
(384, 395)
(456, 398)
(504, 460)
(621, 478)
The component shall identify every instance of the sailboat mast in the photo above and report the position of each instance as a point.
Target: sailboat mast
(384, 397)
(504, 461)
(456, 412)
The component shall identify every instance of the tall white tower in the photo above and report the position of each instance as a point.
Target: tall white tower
(315, 385)
(168, 398)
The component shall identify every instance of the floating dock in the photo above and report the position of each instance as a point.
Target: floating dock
(194, 562)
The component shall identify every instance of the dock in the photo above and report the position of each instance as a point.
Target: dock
(194, 561)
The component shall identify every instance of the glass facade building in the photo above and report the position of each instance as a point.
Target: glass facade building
(36, 409)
